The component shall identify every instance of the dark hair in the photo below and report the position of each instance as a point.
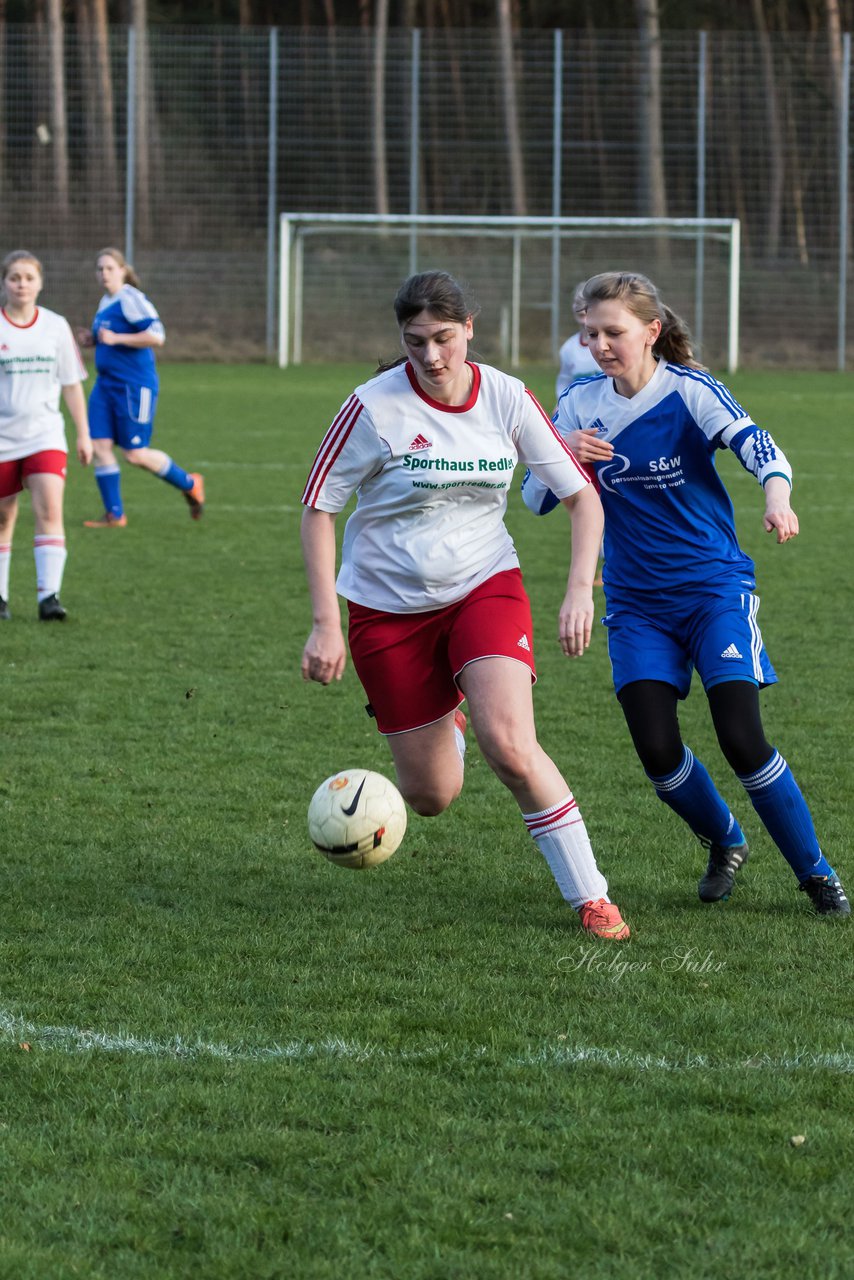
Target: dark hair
(130, 275)
(434, 291)
(640, 296)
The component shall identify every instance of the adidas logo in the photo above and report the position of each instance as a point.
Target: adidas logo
(419, 443)
(731, 652)
(599, 427)
(523, 644)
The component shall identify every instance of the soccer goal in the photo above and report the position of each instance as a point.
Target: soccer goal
(339, 272)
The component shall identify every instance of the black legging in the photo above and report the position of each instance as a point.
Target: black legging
(650, 710)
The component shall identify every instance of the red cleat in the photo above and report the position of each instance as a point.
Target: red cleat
(602, 919)
(196, 495)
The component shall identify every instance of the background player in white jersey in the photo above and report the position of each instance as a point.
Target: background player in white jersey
(438, 611)
(38, 358)
(124, 333)
(576, 358)
(678, 587)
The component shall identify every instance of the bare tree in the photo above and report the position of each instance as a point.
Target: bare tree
(144, 118)
(652, 190)
(2, 95)
(511, 109)
(378, 126)
(774, 211)
(58, 113)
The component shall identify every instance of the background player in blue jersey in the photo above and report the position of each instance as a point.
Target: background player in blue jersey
(679, 589)
(124, 333)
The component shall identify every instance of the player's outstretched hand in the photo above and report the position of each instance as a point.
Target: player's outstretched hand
(84, 450)
(587, 446)
(785, 523)
(779, 517)
(324, 655)
(575, 621)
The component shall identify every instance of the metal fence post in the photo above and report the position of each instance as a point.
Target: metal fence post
(414, 149)
(699, 301)
(557, 146)
(130, 146)
(845, 102)
(272, 174)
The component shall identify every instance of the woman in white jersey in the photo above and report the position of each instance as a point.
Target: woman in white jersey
(38, 359)
(437, 609)
(576, 358)
(679, 589)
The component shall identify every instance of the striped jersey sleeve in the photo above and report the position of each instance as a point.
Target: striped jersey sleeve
(728, 426)
(349, 453)
(140, 312)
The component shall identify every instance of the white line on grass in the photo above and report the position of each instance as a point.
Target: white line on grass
(75, 1040)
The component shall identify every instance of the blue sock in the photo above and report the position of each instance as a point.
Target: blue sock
(691, 793)
(109, 481)
(173, 474)
(776, 797)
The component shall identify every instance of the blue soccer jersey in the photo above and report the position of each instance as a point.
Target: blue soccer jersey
(128, 311)
(669, 523)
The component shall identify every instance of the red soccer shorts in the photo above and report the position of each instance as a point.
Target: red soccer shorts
(409, 663)
(52, 462)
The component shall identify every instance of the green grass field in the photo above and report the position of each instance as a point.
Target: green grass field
(222, 1057)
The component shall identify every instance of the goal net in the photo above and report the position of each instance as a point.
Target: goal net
(338, 274)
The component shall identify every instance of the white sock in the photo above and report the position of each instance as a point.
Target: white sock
(562, 839)
(459, 737)
(50, 554)
(5, 561)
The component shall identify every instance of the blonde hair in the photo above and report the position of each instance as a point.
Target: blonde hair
(130, 275)
(639, 295)
(20, 255)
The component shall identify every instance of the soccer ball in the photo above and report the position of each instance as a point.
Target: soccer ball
(357, 819)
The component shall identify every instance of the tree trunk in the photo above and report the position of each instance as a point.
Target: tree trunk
(58, 116)
(378, 129)
(774, 215)
(144, 129)
(511, 110)
(652, 190)
(2, 95)
(102, 107)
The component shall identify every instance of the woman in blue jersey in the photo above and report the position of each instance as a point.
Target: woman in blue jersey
(679, 590)
(124, 333)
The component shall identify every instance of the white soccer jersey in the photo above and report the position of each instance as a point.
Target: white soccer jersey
(669, 523)
(576, 361)
(432, 483)
(36, 361)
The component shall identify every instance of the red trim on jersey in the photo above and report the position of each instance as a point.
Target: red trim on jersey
(330, 447)
(13, 323)
(578, 465)
(437, 404)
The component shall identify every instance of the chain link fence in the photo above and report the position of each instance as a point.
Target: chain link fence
(182, 149)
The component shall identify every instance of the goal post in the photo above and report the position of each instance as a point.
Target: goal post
(338, 273)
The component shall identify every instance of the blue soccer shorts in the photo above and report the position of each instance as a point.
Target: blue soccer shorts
(719, 635)
(122, 413)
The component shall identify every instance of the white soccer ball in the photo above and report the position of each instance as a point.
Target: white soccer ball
(357, 818)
